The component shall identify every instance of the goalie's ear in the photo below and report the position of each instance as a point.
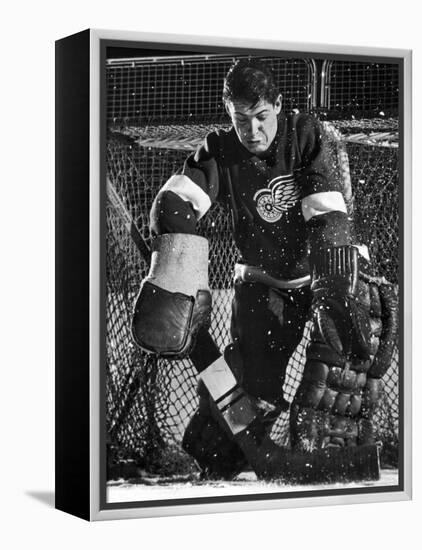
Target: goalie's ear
(278, 103)
(228, 106)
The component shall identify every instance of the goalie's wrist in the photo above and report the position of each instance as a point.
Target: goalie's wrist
(334, 262)
(335, 271)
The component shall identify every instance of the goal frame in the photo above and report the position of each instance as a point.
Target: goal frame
(98, 508)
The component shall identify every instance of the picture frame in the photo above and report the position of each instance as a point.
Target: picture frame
(105, 104)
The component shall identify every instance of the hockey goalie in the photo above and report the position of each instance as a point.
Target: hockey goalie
(281, 179)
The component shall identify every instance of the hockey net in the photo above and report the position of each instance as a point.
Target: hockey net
(148, 400)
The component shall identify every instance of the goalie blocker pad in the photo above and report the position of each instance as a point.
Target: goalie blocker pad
(174, 300)
(173, 319)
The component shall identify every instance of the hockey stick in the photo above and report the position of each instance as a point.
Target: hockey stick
(128, 222)
(132, 229)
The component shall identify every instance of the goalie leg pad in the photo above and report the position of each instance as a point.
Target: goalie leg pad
(389, 333)
(216, 453)
(327, 404)
(337, 400)
(211, 435)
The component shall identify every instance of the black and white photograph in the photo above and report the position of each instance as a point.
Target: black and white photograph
(253, 275)
(211, 233)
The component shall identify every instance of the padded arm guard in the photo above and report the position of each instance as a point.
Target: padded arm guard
(174, 301)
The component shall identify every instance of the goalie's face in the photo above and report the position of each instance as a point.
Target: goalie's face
(255, 125)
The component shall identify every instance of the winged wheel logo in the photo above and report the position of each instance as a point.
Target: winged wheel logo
(281, 194)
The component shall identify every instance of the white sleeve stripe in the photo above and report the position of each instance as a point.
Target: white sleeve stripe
(322, 203)
(189, 191)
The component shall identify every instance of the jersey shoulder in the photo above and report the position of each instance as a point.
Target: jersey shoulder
(222, 145)
(306, 125)
(308, 130)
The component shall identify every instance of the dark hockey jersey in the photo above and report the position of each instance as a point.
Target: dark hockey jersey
(282, 203)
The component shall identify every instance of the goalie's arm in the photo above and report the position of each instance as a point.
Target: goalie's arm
(334, 262)
(177, 207)
(188, 195)
(323, 202)
(175, 298)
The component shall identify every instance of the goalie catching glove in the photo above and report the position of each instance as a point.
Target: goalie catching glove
(174, 300)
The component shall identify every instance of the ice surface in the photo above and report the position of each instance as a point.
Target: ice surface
(155, 488)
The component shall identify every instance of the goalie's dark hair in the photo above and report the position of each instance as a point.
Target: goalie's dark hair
(250, 80)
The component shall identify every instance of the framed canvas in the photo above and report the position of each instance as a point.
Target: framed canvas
(246, 412)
